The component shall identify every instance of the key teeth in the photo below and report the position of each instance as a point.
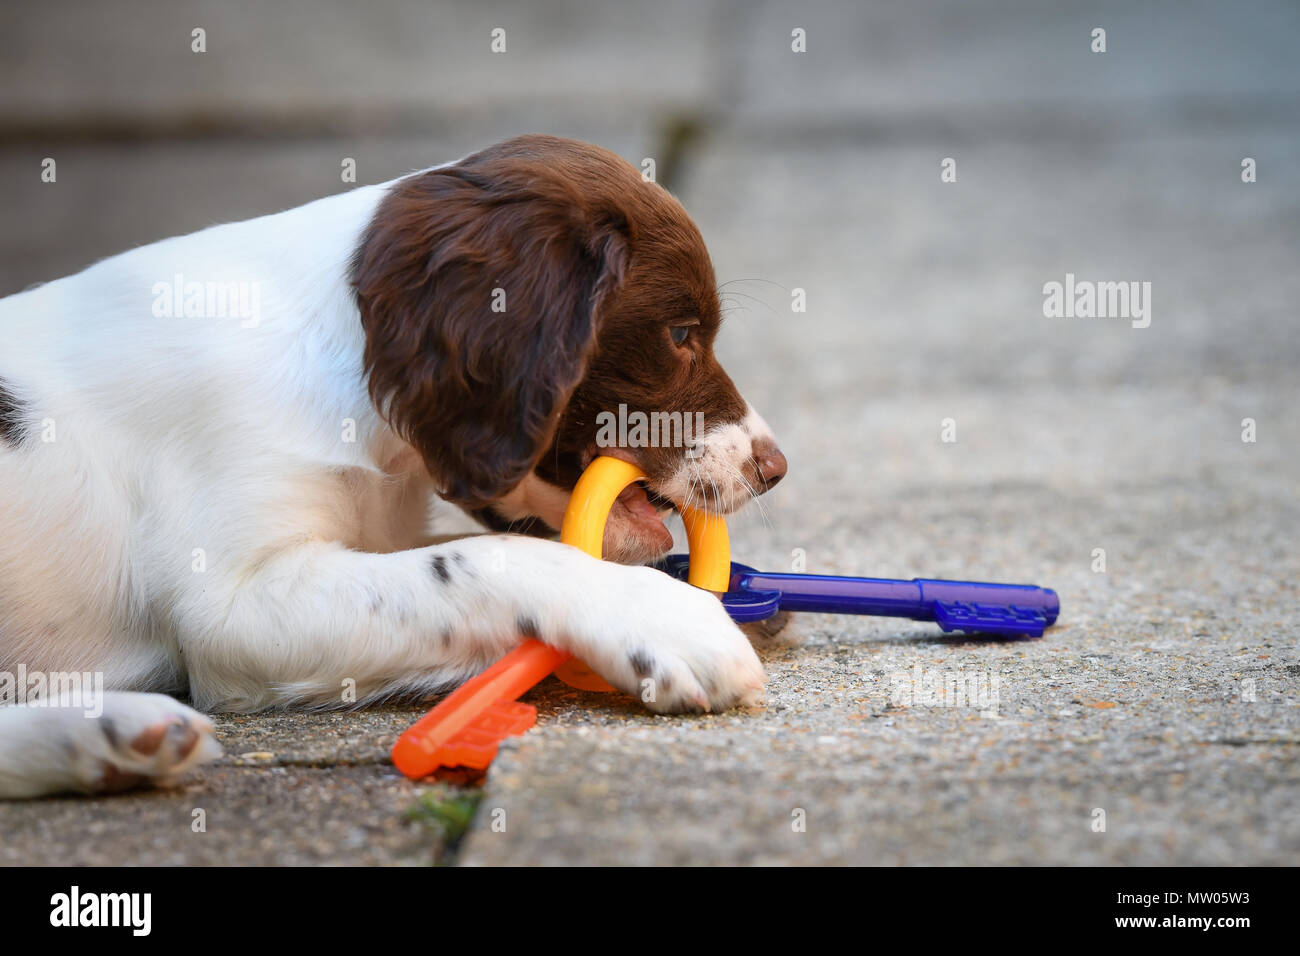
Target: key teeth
(477, 744)
(989, 619)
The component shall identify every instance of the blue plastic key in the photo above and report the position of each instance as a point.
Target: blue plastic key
(971, 606)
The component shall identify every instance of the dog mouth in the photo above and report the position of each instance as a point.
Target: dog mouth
(639, 514)
(644, 512)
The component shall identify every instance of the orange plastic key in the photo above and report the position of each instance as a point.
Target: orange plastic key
(466, 729)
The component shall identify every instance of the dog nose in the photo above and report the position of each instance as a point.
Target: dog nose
(771, 464)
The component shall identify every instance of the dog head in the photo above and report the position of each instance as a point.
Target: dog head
(538, 304)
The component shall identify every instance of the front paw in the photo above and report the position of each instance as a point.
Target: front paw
(675, 648)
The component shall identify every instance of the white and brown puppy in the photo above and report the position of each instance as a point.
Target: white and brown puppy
(225, 458)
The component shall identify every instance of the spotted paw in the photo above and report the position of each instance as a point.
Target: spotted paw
(138, 740)
(669, 644)
(152, 747)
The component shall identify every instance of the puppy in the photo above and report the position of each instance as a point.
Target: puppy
(229, 460)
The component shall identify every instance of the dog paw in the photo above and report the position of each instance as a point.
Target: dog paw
(674, 647)
(140, 740)
(148, 740)
(133, 740)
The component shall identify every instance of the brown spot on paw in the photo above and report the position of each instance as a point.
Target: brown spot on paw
(114, 780)
(150, 739)
(187, 740)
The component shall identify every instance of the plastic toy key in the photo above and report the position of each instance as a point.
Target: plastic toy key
(1007, 609)
(467, 728)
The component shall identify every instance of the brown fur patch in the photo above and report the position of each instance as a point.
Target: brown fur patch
(588, 266)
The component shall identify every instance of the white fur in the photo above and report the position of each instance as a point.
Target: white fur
(715, 476)
(188, 514)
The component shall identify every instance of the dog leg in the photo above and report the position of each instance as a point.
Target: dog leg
(319, 625)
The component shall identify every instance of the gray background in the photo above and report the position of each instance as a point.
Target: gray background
(817, 171)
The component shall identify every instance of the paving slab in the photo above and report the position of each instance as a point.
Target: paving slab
(991, 61)
(135, 59)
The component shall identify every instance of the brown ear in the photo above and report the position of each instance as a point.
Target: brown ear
(480, 286)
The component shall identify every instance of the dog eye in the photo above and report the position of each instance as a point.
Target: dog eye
(679, 333)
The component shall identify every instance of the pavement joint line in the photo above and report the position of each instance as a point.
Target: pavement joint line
(307, 763)
(682, 129)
